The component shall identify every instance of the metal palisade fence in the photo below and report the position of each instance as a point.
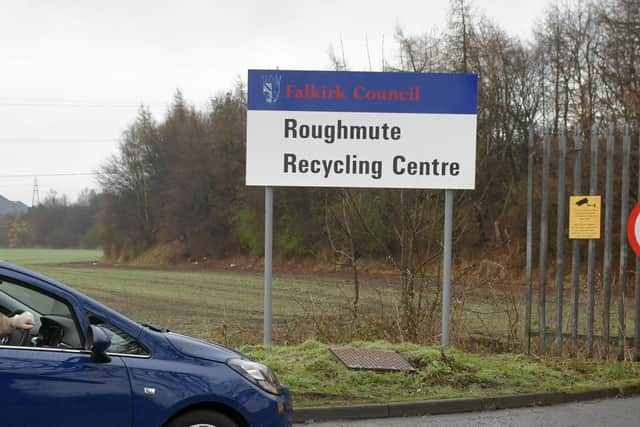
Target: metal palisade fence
(585, 297)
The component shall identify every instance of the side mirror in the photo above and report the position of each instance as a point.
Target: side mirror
(101, 342)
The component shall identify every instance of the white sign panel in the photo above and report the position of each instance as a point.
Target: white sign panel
(340, 129)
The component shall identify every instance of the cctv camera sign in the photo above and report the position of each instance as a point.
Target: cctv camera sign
(584, 217)
(361, 129)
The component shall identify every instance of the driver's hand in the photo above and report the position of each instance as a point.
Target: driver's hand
(22, 321)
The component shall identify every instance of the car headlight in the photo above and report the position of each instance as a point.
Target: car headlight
(257, 373)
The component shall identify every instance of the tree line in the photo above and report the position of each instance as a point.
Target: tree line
(177, 185)
(55, 223)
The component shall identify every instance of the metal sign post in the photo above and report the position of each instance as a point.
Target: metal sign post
(446, 268)
(268, 262)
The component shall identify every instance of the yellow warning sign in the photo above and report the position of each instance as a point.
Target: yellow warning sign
(584, 217)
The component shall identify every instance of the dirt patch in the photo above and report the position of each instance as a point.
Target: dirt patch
(299, 268)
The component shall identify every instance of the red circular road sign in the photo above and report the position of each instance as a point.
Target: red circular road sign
(633, 229)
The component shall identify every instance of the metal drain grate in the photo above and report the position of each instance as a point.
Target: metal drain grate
(365, 358)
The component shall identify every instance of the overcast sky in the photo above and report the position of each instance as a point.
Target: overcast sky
(73, 73)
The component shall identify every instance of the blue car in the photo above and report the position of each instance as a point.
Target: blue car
(84, 364)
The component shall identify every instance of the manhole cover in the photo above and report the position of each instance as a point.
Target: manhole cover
(365, 358)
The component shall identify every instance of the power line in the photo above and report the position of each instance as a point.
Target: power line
(66, 104)
(31, 175)
(76, 103)
(57, 140)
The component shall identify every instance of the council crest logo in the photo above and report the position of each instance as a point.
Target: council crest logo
(271, 88)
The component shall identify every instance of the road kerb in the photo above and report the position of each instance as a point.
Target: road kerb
(602, 393)
(522, 400)
(354, 412)
(459, 405)
(434, 407)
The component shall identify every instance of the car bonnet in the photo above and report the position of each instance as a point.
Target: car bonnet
(201, 349)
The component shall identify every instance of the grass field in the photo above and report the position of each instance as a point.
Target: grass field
(225, 306)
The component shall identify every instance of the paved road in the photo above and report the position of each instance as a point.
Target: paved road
(605, 413)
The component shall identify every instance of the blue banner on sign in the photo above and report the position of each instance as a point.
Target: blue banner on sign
(283, 90)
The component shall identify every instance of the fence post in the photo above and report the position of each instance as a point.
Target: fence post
(624, 213)
(529, 255)
(591, 258)
(608, 221)
(575, 245)
(544, 240)
(562, 205)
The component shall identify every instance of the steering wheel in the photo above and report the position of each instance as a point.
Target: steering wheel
(19, 337)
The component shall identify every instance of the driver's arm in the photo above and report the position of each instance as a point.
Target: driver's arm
(5, 325)
(22, 321)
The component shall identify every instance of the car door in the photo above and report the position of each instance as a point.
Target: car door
(42, 384)
(51, 388)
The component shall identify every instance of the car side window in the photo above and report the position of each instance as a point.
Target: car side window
(55, 322)
(121, 342)
(26, 298)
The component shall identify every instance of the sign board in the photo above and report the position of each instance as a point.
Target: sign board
(633, 229)
(361, 129)
(584, 217)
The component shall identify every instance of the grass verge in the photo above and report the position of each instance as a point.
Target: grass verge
(316, 378)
